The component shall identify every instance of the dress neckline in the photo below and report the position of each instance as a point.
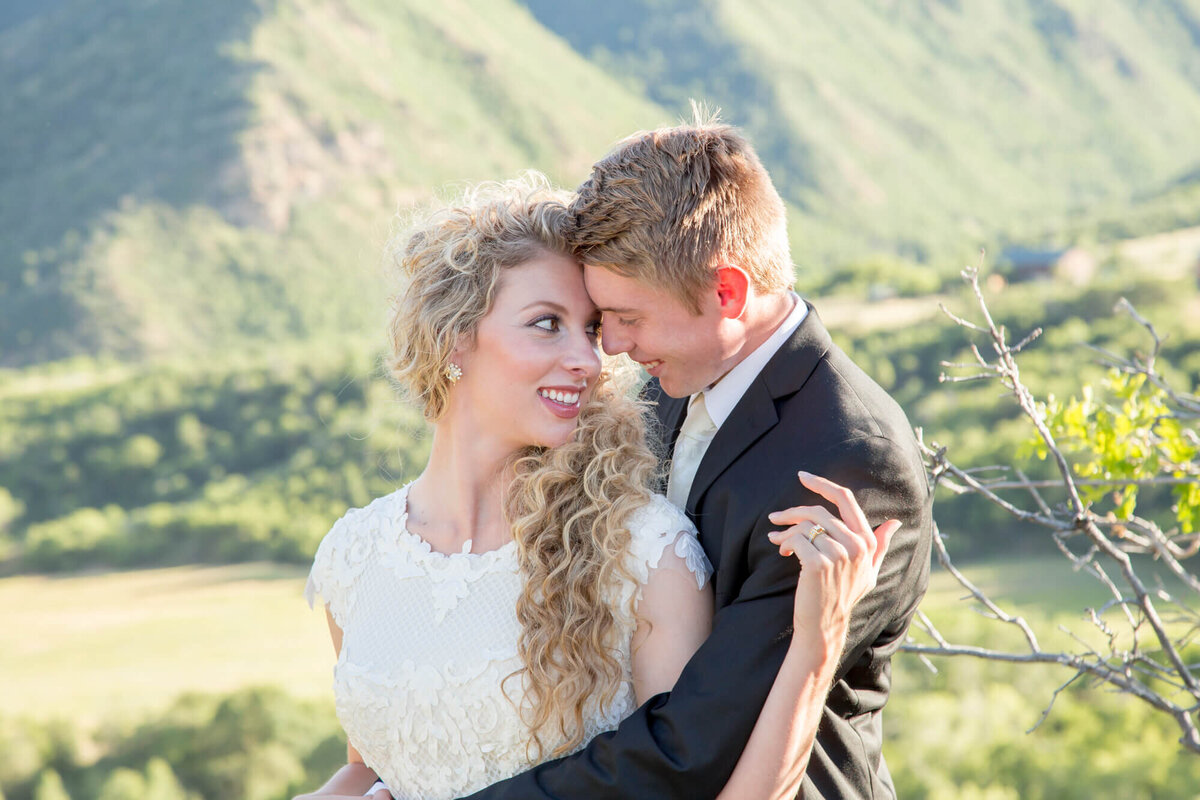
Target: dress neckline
(419, 542)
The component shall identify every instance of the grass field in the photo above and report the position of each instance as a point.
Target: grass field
(95, 647)
(109, 651)
(92, 646)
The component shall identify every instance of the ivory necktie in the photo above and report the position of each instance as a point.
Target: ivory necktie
(697, 431)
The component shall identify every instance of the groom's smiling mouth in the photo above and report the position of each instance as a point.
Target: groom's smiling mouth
(651, 366)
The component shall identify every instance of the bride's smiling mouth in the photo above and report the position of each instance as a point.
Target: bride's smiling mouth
(563, 401)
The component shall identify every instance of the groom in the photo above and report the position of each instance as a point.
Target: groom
(684, 240)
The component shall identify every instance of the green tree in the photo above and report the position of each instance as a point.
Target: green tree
(162, 783)
(50, 787)
(10, 509)
(123, 784)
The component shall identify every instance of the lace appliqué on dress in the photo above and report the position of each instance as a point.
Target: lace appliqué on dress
(658, 524)
(422, 683)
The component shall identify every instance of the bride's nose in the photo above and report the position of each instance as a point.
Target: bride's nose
(581, 357)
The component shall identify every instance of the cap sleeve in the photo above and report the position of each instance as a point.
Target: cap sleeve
(662, 537)
(340, 558)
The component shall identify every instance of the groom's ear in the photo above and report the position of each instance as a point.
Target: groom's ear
(733, 286)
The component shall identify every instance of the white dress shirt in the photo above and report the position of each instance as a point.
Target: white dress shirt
(721, 398)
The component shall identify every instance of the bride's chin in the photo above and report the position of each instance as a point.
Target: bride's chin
(558, 438)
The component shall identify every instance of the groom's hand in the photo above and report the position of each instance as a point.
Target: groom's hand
(840, 557)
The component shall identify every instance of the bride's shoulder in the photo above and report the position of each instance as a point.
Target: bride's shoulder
(367, 520)
(349, 546)
(661, 535)
(659, 512)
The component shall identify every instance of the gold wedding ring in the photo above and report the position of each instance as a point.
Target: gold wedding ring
(815, 531)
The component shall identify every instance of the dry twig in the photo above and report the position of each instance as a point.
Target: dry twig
(1155, 671)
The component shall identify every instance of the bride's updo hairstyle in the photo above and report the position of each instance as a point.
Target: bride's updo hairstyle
(567, 505)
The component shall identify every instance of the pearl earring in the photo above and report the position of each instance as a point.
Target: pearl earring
(453, 372)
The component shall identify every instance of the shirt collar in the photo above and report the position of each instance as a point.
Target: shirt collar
(722, 396)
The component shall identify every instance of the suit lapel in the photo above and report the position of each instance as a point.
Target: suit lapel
(756, 413)
(669, 412)
(672, 411)
(753, 416)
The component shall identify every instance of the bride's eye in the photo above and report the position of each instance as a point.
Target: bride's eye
(548, 323)
(594, 329)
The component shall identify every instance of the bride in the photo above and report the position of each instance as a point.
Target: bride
(529, 589)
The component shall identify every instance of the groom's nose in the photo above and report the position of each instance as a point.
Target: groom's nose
(612, 339)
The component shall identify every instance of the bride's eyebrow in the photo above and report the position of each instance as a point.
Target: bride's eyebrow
(550, 304)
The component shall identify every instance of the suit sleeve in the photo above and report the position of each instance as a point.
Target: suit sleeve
(685, 744)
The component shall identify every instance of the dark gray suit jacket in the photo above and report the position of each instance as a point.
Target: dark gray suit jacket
(810, 408)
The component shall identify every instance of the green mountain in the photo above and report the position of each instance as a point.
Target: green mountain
(1171, 207)
(181, 177)
(923, 128)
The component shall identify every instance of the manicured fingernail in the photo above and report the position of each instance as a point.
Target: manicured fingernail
(774, 535)
(772, 515)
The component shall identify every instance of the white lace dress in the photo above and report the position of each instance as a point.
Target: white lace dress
(429, 638)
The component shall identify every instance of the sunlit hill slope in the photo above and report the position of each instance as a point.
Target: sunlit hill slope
(190, 177)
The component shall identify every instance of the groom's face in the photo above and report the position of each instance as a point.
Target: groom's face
(683, 350)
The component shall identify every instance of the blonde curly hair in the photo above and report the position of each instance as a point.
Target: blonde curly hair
(567, 505)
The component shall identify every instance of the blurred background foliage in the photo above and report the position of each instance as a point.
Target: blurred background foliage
(195, 205)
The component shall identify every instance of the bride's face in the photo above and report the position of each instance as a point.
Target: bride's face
(535, 357)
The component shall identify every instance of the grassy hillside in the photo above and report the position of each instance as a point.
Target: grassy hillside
(1176, 206)
(184, 177)
(923, 129)
(178, 176)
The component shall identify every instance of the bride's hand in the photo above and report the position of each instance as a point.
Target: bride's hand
(839, 557)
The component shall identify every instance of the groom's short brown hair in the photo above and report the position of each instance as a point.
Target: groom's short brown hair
(667, 206)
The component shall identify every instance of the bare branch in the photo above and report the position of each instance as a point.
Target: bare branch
(1128, 666)
(1046, 711)
(1019, 346)
(959, 320)
(1054, 484)
(979, 596)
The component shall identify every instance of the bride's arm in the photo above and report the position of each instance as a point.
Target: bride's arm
(353, 779)
(837, 570)
(776, 756)
(674, 617)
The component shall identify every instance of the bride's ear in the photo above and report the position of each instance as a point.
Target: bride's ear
(463, 347)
